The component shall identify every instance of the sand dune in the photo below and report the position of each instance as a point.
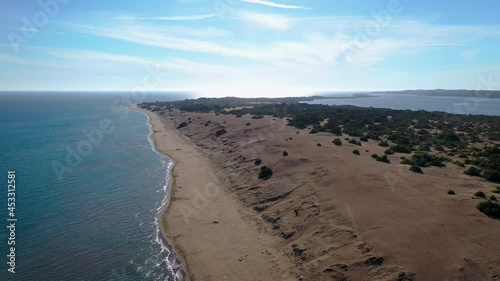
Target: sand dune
(325, 214)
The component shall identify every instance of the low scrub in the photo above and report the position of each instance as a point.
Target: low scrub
(382, 158)
(182, 125)
(220, 132)
(416, 169)
(337, 142)
(353, 141)
(355, 152)
(383, 144)
(480, 194)
(489, 208)
(451, 192)
(265, 172)
(424, 159)
(473, 171)
(258, 162)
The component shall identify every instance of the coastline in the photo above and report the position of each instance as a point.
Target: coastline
(175, 261)
(334, 214)
(210, 235)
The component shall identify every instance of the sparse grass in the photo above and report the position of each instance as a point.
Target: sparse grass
(355, 152)
(451, 192)
(496, 190)
(480, 194)
(258, 162)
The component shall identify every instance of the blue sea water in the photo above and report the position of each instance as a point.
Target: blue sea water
(92, 216)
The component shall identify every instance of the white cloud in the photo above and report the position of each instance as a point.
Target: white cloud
(173, 18)
(273, 4)
(269, 21)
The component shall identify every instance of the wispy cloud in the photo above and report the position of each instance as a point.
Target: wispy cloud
(273, 4)
(269, 21)
(173, 18)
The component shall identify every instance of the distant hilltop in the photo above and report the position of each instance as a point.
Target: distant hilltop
(446, 93)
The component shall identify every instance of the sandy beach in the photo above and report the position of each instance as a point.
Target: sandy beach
(325, 214)
(210, 233)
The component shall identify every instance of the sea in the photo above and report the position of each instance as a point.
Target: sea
(89, 184)
(89, 188)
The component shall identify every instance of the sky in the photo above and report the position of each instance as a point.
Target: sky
(249, 47)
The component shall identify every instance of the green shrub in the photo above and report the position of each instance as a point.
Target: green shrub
(389, 151)
(480, 194)
(353, 141)
(424, 159)
(489, 208)
(491, 175)
(220, 132)
(337, 142)
(384, 159)
(473, 171)
(383, 144)
(492, 198)
(374, 155)
(319, 144)
(355, 152)
(451, 192)
(401, 149)
(265, 172)
(416, 169)
(248, 124)
(496, 190)
(182, 125)
(258, 162)
(363, 138)
(285, 153)
(439, 147)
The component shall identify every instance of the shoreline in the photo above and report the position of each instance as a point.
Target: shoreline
(174, 261)
(212, 236)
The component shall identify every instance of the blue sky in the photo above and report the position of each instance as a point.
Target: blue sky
(249, 47)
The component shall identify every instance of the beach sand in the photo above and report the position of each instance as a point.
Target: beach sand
(209, 231)
(325, 214)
